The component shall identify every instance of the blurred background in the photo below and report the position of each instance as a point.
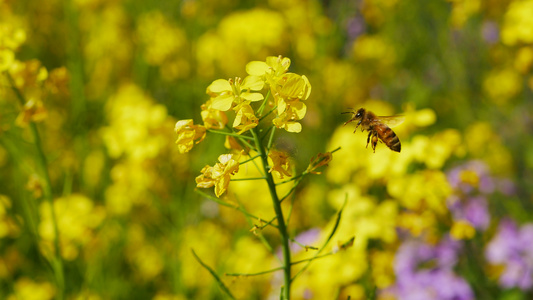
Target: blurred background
(109, 79)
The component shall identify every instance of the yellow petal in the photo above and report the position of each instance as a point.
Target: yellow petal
(252, 96)
(219, 86)
(299, 109)
(181, 124)
(257, 68)
(307, 90)
(255, 83)
(293, 127)
(294, 86)
(222, 102)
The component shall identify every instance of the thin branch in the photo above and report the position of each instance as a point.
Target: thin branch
(246, 179)
(220, 283)
(237, 207)
(337, 221)
(231, 134)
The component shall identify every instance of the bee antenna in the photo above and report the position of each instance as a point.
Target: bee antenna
(347, 112)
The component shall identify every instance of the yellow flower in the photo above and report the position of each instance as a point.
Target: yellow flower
(213, 118)
(219, 175)
(272, 68)
(291, 87)
(7, 57)
(288, 119)
(228, 92)
(382, 268)
(280, 163)
(502, 85)
(33, 111)
(137, 126)
(462, 230)
(25, 288)
(462, 10)
(188, 134)
(29, 74)
(288, 90)
(517, 23)
(11, 38)
(245, 118)
(77, 219)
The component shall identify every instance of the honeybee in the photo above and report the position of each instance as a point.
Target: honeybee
(377, 127)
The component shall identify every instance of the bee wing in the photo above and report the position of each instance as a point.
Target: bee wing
(392, 121)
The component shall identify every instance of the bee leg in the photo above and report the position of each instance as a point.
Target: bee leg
(368, 138)
(374, 142)
(359, 123)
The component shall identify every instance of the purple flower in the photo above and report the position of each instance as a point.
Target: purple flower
(472, 184)
(425, 271)
(355, 27)
(474, 210)
(511, 248)
(506, 187)
(461, 179)
(490, 32)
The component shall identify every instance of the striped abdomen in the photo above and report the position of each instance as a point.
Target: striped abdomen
(388, 137)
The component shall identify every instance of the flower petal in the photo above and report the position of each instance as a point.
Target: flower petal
(252, 96)
(257, 68)
(293, 127)
(254, 83)
(219, 86)
(222, 102)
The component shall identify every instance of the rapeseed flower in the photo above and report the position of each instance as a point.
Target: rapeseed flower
(502, 85)
(33, 111)
(8, 226)
(167, 49)
(220, 174)
(135, 125)
(517, 23)
(188, 134)
(462, 230)
(280, 163)
(28, 75)
(288, 90)
(7, 57)
(245, 118)
(25, 288)
(227, 93)
(213, 118)
(77, 218)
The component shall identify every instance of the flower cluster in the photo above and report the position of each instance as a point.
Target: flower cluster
(468, 204)
(425, 271)
(288, 89)
(285, 94)
(510, 251)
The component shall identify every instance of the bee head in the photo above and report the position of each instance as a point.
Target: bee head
(360, 113)
(357, 115)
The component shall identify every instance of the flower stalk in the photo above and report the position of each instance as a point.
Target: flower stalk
(57, 261)
(282, 228)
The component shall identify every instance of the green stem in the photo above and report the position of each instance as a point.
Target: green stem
(57, 261)
(247, 179)
(233, 134)
(281, 220)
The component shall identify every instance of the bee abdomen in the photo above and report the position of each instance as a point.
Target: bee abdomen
(391, 140)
